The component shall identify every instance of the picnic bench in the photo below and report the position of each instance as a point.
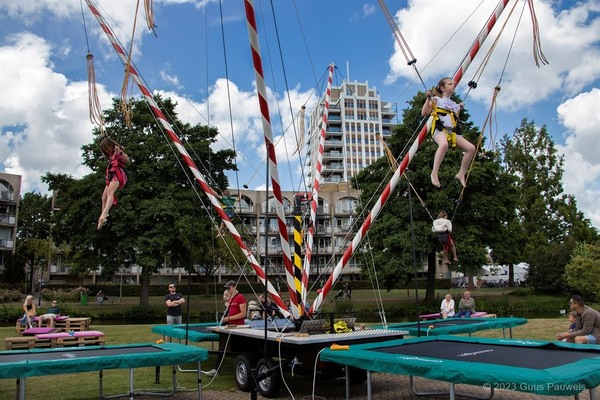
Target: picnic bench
(62, 322)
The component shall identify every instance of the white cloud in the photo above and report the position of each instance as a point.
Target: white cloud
(569, 41)
(45, 119)
(581, 149)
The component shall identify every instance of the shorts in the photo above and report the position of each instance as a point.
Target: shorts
(591, 339)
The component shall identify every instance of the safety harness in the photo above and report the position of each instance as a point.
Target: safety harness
(439, 125)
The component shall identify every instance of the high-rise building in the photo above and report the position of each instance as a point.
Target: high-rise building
(357, 122)
(10, 193)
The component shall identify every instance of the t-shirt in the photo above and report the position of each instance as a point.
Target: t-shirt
(447, 104)
(442, 225)
(234, 308)
(173, 311)
(53, 310)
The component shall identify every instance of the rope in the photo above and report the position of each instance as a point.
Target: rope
(479, 72)
(94, 107)
(479, 140)
(149, 9)
(408, 55)
(125, 106)
(538, 54)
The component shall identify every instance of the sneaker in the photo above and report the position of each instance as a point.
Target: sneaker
(212, 372)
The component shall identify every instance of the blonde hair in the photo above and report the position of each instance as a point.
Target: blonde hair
(28, 298)
(442, 214)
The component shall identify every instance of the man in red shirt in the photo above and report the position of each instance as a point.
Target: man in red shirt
(236, 312)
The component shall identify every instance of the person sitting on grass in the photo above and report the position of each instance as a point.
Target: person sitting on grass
(587, 325)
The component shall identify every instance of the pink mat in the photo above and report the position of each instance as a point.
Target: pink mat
(37, 331)
(65, 334)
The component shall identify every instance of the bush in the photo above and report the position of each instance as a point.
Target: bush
(9, 295)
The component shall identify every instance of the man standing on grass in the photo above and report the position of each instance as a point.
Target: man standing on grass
(174, 301)
(587, 329)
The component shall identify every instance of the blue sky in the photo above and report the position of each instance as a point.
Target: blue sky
(44, 112)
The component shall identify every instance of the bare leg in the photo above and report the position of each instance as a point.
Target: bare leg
(468, 153)
(440, 153)
(453, 250)
(108, 198)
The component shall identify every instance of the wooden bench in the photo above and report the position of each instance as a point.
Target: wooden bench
(53, 340)
(73, 324)
(19, 343)
(20, 328)
(26, 342)
(77, 339)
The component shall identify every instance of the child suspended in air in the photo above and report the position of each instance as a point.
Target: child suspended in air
(115, 176)
(228, 203)
(445, 113)
(443, 227)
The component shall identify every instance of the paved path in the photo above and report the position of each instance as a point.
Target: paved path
(385, 387)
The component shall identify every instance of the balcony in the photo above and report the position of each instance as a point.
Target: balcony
(6, 244)
(5, 195)
(8, 219)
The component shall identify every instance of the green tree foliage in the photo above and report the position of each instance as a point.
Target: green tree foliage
(548, 218)
(152, 222)
(32, 234)
(485, 204)
(582, 274)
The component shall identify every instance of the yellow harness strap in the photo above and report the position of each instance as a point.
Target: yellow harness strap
(450, 133)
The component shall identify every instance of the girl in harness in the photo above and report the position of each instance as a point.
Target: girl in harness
(115, 176)
(443, 227)
(445, 113)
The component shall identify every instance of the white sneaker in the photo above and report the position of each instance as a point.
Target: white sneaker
(212, 372)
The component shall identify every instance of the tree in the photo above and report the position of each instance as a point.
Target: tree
(548, 218)
(582, 274)
(484, 205)
(32, 234)
(151, 223)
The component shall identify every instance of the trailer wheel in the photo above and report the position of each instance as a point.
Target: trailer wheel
(243, 372)
(268, 387)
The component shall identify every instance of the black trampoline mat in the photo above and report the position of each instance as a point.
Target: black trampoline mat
(76, 353)
(538, 357)
(200, 329)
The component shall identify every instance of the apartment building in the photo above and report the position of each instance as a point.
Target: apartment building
(358, 121)
(10, 193)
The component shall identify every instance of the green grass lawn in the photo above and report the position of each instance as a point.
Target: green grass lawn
(85, 385)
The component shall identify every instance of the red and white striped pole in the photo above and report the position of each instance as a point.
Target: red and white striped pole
(272, 159)
(349, 252)
(210, 193)
(315, 189)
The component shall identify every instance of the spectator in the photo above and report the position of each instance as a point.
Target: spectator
(236, 312)
(587, 325)
(347, 291)
(254, 310)
(100, 297)
(447, 307)
(50, 315)
(174, 300)
(30, 311)
(466, 306)
(235, 315)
